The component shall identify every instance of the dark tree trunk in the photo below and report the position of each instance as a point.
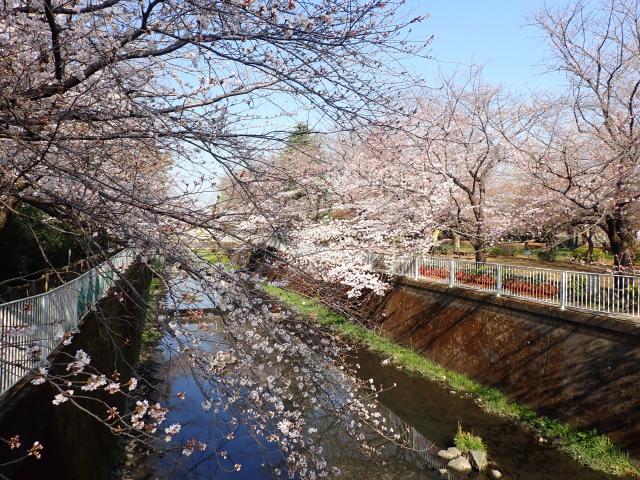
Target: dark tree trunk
(456, 243)
(621, 240)
(480, 243)
(589, 239)
(480, 252)
(6, 209)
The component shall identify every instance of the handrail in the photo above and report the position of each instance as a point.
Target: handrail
(32, 327)
(608, 293)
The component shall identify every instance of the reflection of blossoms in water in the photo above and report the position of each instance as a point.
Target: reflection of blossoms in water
(171, 430)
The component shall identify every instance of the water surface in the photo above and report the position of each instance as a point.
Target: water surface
(429, 412)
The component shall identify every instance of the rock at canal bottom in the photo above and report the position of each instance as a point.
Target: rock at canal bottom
(478, 460)
(494, 474)
(449, 454)
(459, 466)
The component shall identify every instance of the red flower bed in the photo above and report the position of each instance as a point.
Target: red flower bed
(523, 287)
(434, 272)
(482, 280)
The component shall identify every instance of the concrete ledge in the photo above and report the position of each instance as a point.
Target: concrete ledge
(626, 326)
(111, 335)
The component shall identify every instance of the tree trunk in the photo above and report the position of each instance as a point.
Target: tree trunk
(588, 237)
(4, 217)
(577, 240)
(621, 240)
(456, 243)
(479, 243)
(5, 211)
(480, 252)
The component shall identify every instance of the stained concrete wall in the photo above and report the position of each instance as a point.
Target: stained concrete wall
(581, 368)
(77, 446)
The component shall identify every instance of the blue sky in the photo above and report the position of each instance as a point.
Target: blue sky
(491, 32)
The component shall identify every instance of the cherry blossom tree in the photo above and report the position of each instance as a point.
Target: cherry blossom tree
(371, 209)
(117, 116)
(583, 146)
(460, 144)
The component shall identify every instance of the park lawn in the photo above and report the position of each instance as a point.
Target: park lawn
(215, 257)
(586, 447)
(563, 258)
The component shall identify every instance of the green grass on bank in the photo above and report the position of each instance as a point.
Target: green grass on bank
(213, 257)
(150, 332)
(587, 447)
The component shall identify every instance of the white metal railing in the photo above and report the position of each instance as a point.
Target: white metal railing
(31, 328)
(611, 293)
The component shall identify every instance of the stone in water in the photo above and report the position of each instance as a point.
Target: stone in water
(459, 465)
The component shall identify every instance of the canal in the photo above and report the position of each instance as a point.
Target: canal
(426, 413)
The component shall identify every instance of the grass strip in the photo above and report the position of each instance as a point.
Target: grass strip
(214, 256)
(151, 334)
(586, 447)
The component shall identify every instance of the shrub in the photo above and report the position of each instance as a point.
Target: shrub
(466, 441)
(443, 249)
(504, 250)
(580, 254)
(547, 255)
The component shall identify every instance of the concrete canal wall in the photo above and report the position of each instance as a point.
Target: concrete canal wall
(578, 367)
(77, 446)
(581, 368)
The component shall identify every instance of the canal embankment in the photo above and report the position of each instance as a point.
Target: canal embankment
(587, 447)
(578, 367)
(77, 444)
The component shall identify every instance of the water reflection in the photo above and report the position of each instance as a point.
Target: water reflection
(426, 413)
(435, 413)
(255, 457)
(184, 293)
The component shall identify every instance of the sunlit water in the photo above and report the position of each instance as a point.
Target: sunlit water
(257, 458)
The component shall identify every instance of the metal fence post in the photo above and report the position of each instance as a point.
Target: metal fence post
(499, 280)
(563, 290)
(452, 273)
